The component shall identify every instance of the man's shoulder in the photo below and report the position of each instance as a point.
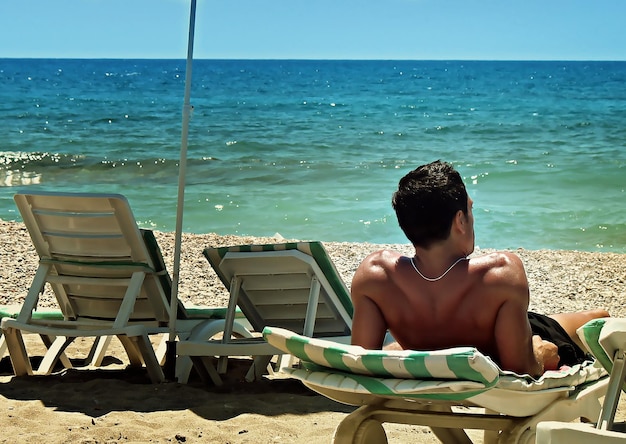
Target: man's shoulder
(503, 269)
(377, 265)
(497, 260)
(381, 257)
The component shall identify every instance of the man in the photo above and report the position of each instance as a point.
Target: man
(441, 298)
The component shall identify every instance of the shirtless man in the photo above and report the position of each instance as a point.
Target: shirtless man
(440, 298)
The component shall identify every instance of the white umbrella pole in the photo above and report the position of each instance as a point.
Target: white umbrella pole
(170, 367)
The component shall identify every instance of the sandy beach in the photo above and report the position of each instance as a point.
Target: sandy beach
(115, 404)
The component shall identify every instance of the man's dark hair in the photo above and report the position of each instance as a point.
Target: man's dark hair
(427, 200)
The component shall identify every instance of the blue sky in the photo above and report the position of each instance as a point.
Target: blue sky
(310, 29)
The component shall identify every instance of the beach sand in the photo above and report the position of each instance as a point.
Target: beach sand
(115, 404)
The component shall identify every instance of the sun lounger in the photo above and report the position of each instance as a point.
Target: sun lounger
(98, 350)
(108, 277)
(606, 340)
(291, 285)
(447, 390)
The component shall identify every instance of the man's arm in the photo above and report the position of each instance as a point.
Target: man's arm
(368, 323)
(518, 349)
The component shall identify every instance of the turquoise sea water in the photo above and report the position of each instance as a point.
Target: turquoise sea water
(314, 149)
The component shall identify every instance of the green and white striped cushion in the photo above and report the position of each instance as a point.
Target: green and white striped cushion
(461, 363)
(603, 337)
(325, 378)
(590, 335)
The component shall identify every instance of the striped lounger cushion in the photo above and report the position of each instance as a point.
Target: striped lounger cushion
(596, 335)
(590, 335)
(455, 373)
(465, 363)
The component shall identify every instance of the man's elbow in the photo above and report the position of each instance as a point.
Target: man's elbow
(369, 344)
(392, 346)
(369, 338)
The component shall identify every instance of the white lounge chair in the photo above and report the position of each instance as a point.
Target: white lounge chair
(291, 285)
(447, 390)
(606, 340)
(108, 277)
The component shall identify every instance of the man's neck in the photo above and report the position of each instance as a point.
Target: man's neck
(437, 259)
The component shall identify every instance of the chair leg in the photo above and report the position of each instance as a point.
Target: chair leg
(206, 370)
(134, 355)
(147, 352)
(222, 364)
(56, 352)
(161, 351)
(359, 428)
(3, 345)
(48, 341)
(613, 392)
(258, 368)
(184, 364)
(17, 351)
(98, 350)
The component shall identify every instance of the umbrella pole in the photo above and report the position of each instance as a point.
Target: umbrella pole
(170, 354)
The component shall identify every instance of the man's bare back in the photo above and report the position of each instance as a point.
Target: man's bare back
(461, 309)
(440, 298)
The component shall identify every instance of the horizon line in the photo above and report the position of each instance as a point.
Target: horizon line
(316, 59)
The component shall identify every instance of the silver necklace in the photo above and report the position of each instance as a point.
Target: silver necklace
(440, 277)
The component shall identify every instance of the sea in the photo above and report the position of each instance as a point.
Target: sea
(314, 149)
